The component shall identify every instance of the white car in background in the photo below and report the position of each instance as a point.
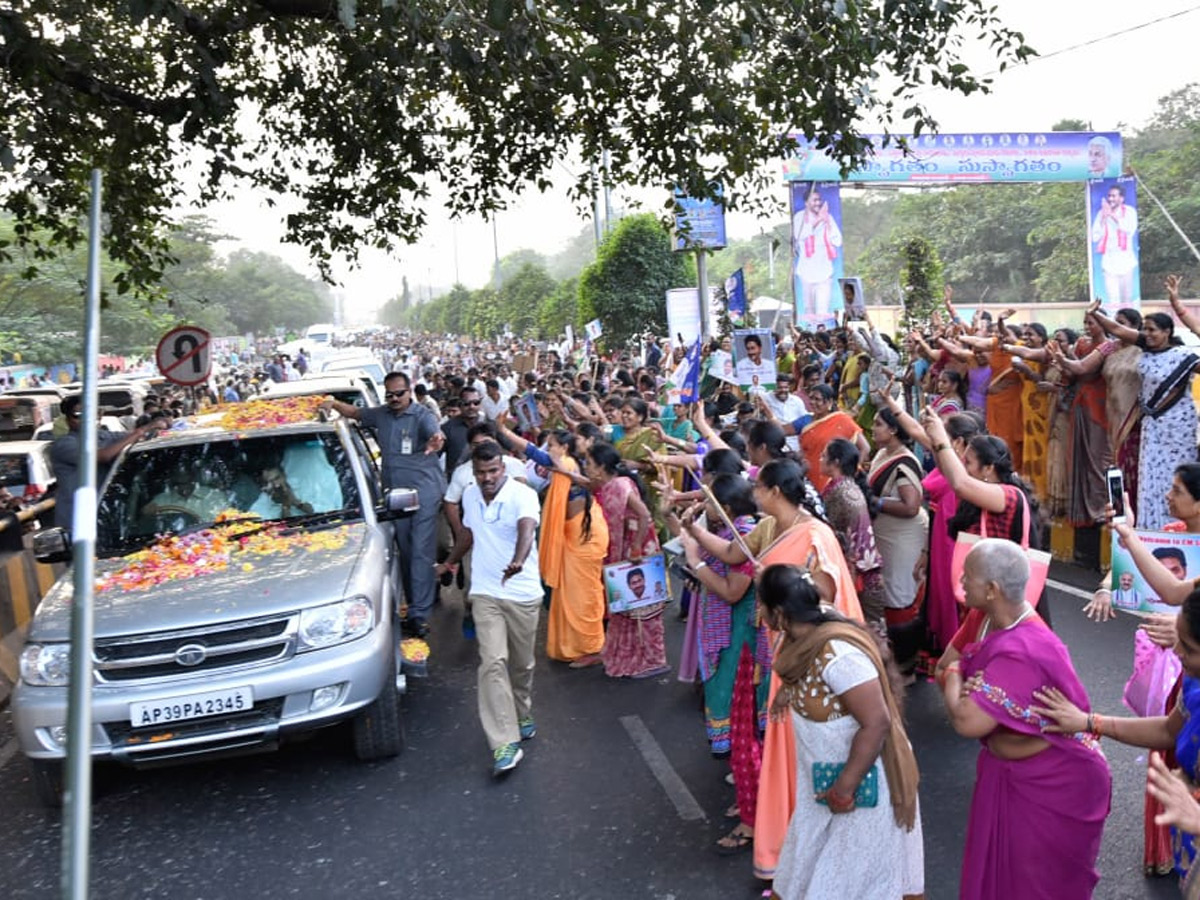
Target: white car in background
(25, 470)
(350, 359)
(357, 390)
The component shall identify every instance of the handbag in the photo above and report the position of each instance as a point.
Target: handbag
(824, 774)
(1155, 671)
(1039, 560)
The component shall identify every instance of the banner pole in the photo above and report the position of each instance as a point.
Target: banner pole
(78, 796)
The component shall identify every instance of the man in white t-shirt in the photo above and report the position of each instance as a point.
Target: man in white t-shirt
(460, 479)
(786, 406)
(495, 400)
(500, 518)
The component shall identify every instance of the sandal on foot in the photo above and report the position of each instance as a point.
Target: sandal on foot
(737, 841)
(584, 662)
(733, 812)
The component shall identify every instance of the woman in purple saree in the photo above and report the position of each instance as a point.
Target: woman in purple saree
(1040, 801)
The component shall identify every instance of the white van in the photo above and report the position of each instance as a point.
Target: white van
(319, 334)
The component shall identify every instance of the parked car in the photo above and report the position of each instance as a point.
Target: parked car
(247, 591)
(22, 416)
(25, 470)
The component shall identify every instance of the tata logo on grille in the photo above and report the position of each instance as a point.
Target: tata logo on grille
(191, 654)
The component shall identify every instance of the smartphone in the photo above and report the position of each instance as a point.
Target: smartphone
(1116, 493)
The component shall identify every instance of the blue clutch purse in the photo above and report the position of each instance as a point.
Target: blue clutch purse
(825, 774)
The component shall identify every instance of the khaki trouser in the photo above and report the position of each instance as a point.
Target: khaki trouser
(506, 632)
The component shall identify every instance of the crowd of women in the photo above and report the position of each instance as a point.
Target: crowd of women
(822, 562)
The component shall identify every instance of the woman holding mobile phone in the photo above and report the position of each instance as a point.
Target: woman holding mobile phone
(1155, 640)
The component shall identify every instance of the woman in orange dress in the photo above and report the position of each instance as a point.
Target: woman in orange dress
(572, 545)
(827, 423)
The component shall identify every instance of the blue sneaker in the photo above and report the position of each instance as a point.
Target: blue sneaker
(505, 758)
(468, 627)
(528, 728)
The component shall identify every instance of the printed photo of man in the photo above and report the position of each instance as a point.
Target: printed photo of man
(816, 249)
(1114, 238)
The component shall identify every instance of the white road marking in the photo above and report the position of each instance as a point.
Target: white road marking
(1069, 589)
(685, 804)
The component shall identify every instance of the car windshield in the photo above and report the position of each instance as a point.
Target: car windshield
(168, 488)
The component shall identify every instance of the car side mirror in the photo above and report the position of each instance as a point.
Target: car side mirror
(399, 502)
(52, 546)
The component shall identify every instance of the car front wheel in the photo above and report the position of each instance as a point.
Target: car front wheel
(378, 729)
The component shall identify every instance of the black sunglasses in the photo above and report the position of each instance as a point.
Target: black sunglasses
(388, 395)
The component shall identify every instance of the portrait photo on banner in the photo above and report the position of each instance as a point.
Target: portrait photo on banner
(754, 359)
(1113, 237)
(633, 585)
(853, 298)
(1178, 552)
(817, 259)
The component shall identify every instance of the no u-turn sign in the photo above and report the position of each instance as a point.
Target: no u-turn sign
(184, 355)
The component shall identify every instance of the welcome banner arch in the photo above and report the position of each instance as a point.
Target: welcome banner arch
(820, 288)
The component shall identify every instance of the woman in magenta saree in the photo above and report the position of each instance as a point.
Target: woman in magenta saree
(1041, 798)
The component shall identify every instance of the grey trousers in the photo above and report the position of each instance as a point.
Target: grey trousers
(416, 541)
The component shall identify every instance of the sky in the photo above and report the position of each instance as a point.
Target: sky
(1104, 62)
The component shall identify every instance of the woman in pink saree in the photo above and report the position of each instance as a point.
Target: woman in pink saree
(1041, 798)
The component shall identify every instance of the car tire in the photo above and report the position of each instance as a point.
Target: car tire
(48, 775)
(378, 729)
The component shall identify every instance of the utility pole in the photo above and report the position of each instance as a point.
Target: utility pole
(596, 224)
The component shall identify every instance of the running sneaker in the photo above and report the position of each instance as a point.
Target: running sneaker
(505, 758)
(528, 728)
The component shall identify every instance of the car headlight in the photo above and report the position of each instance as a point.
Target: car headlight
(324, 626)
(46, 665)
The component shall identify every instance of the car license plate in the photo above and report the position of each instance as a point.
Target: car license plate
(190, 706)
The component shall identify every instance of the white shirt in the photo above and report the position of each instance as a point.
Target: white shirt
(493, 527)
(788, 410)
(464, 476)
(492, 408)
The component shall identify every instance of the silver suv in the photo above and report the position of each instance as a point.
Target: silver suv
(245, 592)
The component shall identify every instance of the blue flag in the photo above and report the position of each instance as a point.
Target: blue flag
(735, 297)
(689, 391)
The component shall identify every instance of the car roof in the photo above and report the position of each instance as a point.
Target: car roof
(14, 448)
(208, 427)
(311, 384)
(48, 390)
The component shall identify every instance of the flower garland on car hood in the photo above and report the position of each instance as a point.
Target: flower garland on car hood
(212, 550)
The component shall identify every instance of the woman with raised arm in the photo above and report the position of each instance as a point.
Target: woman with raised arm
(572, 546)
(993, 501)
(1168, 410)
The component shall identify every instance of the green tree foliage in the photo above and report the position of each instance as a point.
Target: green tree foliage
(42, 311)
(626, 286)
(560, 309)
(354, 110)
(922, 281)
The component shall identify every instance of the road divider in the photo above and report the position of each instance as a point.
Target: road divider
(23, 583)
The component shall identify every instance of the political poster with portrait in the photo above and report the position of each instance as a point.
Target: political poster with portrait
(1113, 236)
(817, 259)
(754, 359)
(1177, 551)
(634, 585)
(853, 298)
